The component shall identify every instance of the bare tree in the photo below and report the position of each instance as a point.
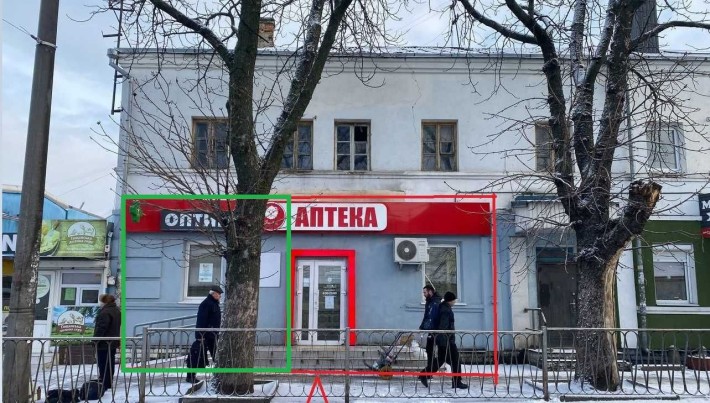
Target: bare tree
(261, 101)
(588, 47)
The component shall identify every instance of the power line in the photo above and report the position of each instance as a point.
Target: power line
(84, 184)
(21, 29)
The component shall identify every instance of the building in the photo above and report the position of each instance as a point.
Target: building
(73, 266)
(424, 132)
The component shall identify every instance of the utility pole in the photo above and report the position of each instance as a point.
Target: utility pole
(16, 360)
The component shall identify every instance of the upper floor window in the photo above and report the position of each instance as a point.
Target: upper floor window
(439, 146)
(298, 153)
(544, 152)
(352, 146)
(210, 149)
(666, 146)
(674, 274)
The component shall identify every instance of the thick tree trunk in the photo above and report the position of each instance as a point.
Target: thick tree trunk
(237, 349)
(596, 349)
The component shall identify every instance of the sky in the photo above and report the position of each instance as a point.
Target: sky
(79, 171)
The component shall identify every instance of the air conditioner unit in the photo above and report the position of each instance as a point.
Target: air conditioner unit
(411, 250)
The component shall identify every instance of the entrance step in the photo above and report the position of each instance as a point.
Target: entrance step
(565, 359)
(302, 357)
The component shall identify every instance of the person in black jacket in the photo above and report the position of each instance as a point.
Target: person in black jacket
(107, 324)
(430, 322)
(209, 315)
(446, 342)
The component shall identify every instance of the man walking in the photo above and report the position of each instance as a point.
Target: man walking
(446, 342)
(430, 322)
(209, 315)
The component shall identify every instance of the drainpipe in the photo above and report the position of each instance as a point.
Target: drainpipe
(636, 243)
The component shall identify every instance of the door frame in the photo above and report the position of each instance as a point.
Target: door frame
(314, 295)
(316, 254)
(53, 300)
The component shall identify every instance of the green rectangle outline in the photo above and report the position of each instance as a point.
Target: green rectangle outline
(280, 370)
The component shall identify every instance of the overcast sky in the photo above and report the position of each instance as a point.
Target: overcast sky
(79, 171)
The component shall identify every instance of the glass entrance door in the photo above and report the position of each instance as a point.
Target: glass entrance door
(321, 301)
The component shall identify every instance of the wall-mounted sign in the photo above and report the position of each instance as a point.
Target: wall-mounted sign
(704, 200)
(65, 238)
(385, 217)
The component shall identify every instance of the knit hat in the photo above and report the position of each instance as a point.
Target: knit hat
(449, 296)
(216, 288)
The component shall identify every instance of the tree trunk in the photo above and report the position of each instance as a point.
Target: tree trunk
(596, 349)
(237, 349)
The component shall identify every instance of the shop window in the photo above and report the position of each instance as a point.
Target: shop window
(80, 288)
(298, 154)
(666, 146)
(204, 270)
(439, 146)
(211, 149)
(674, 275)
(352, 146)
(442, 269)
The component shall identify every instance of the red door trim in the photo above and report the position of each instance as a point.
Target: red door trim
(349, 255)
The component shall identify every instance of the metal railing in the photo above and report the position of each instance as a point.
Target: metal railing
(525, 365)
(184, 322)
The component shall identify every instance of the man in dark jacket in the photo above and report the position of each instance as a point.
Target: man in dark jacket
(209, 316)
(446, 342)
(430, 322)
(107, 324)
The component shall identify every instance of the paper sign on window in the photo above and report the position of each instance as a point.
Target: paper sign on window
(329, 302)
(205, 273)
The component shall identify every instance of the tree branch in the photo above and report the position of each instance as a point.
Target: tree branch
(507, 32)
(308, 73)
(662, 27)
(200, 29)
(643, 196)
(241, 100)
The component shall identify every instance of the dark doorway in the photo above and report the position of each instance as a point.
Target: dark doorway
(557, 293)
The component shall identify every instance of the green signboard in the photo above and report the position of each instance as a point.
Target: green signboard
(74, 320)
(66, 238)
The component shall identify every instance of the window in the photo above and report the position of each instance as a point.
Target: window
(442, 269)
(204, 270)
(544, 152)
(352, 146)
(438, 146)
(674, 274)
(298, 154)
(210, 149)
(80, 288)
(665, 151)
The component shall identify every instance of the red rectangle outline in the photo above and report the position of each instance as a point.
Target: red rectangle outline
(494, 261)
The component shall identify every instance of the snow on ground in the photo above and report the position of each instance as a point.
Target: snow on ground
(517, 383)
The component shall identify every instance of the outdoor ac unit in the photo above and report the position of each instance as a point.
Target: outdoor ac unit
(411, 250)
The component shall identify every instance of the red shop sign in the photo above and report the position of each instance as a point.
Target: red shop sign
(386, 217)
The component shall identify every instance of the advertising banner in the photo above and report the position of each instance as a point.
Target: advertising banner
(74, 320)
(704, 200)
(66, 238)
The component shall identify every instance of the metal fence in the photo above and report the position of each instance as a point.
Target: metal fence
(523, 365)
